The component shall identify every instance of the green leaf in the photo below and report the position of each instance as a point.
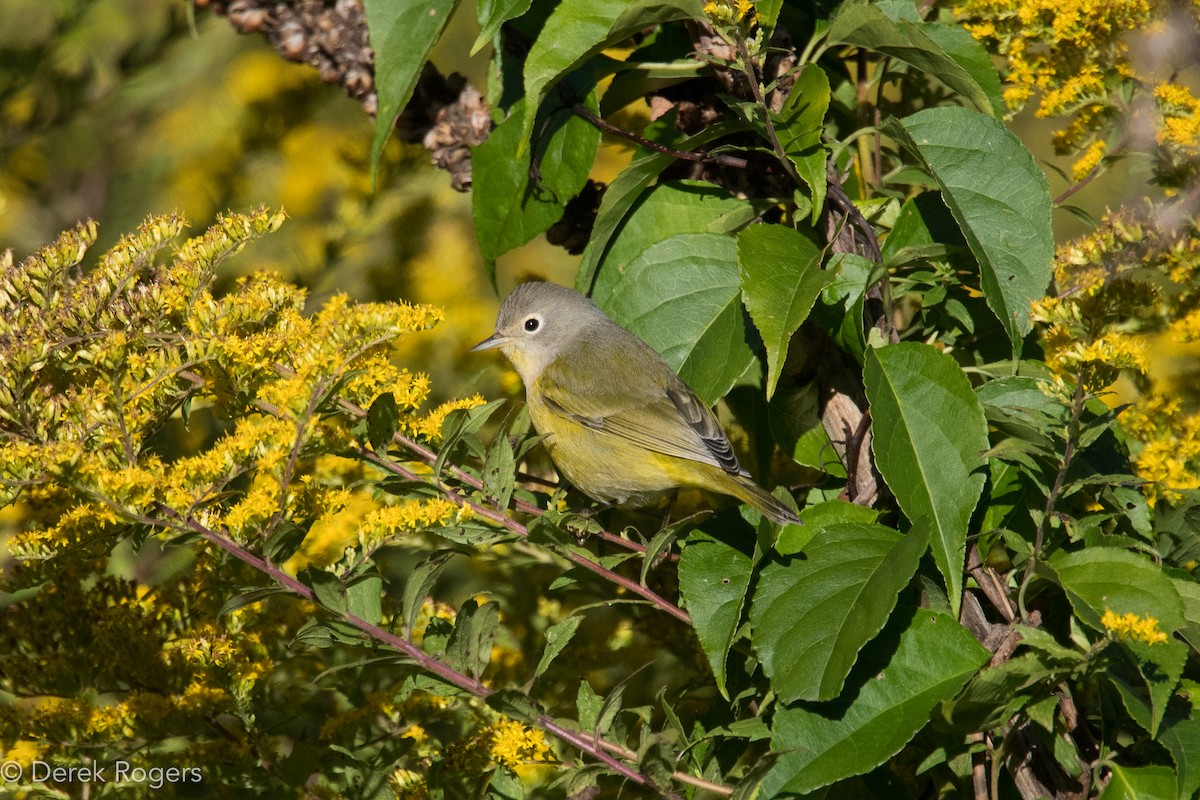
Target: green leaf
(799, 125)
(999, 197)
(1189, 593)
(578, 29)
(494, 13)
(462, 424)
(929, 435)
(816, 518)
(811, 616)
(840, 311)
(499, 472)
(326, 587)
(558, 636)
(619, 200)
(1140, 783)
(923, 221)
(660, 212)
(382, 421)
(508, 210)
(713, 581)
(402, 34)
(970, 54)
(863, 25)
(284, 542)
(420, 582)
(682, 296)
(248, 598)
(1180, 734)
(470, 647)
(781, 277)
(363, 598)
(923, 658)
(1100, 578)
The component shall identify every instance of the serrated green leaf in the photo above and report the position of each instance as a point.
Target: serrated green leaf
(587, 706)
(284, 542)
(819, 516)
(326, 587)
(799, 126)
(1105, 578)
(864, 25)
(491, 14)
(470, 647)
(923, 658)
(1180, 734)
(662, 211)
(402, 34)
(781, 275)
(460, 424)
(499, 472)
(558, 636)
(812, 616)
(999, 197)
(578, 29)
(507, 208)
(382, 421)
(364, 598)
(514, 704)
(620, 198)
(840, 311)
(682, 297)
(713, 581)
(1140, 783)
(929, 436)
(420, 582)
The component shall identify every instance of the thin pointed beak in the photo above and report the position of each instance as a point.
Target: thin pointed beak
(495, 340)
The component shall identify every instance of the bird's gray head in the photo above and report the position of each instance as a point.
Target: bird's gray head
(537, 321)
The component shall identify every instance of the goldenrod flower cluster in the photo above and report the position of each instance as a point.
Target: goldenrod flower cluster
(1076, 58)
(1166, 442)
(137, 405)
(729, 12)
(1133, 628)
(1129, 276)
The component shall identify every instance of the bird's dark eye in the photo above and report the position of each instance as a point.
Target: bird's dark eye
(532, 324)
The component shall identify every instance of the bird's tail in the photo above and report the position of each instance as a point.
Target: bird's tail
(750, 492)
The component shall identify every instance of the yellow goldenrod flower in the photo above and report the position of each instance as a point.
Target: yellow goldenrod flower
(1131, 627)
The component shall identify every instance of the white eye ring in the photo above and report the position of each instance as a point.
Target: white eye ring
(533, 323)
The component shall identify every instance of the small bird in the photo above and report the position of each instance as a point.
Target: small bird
(619, 423)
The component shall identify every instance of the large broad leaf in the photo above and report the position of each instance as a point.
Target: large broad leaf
(781, 279)
(1140, 783)
(799, 125)
(999, 197)
(1180, 734)
(1097, 579)
(713, 580)
(509, 211)
(862, 25)
(666, 210)
(812, 615)
(619, 200)
(683, 298)
(402, 34)
(929, 435)
(923, 658)
(578, 29)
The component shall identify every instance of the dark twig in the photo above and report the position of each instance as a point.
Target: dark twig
(720, 160)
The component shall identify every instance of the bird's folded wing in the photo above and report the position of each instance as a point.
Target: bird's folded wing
(671, 421)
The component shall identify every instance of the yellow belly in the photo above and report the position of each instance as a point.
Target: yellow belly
(611, 469)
